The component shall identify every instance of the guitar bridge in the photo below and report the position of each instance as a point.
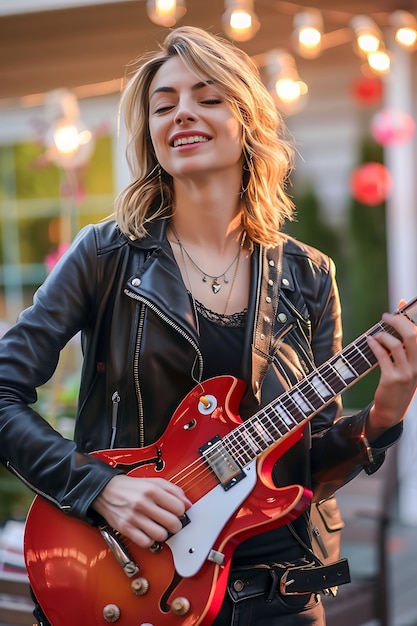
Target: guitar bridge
(225, 468)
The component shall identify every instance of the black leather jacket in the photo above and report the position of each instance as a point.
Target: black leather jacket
(141, 356)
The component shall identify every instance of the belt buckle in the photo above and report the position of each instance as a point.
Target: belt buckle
(286, 581)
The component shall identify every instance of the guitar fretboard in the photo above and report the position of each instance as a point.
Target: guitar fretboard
(298, 405)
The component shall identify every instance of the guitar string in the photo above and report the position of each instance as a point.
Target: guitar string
(201, 463)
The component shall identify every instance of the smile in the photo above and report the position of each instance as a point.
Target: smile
(182, 141)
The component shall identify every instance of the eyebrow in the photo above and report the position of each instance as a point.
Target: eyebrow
(200, 85)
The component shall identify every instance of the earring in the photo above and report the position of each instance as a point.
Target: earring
(247, 168)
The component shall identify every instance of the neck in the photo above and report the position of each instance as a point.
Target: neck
(207, 215)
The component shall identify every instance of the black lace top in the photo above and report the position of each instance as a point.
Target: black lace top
(221, 341)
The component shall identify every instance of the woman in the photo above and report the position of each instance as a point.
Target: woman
(193, 280)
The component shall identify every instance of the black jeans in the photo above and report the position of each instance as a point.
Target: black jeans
(253, 599)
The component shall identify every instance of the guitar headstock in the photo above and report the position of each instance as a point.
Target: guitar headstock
(410, 310)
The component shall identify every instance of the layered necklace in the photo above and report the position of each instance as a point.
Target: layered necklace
(215, 284)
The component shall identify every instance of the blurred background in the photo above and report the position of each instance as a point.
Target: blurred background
(343, 76)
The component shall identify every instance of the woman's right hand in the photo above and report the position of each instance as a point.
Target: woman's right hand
(144, 510)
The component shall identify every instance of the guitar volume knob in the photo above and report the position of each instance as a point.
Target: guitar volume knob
(140, 586)
(111, 613)
(180, 606)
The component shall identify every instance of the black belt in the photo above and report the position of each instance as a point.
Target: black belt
(297, 580)
(287, 579)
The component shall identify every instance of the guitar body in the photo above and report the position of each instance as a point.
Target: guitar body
(78, 580)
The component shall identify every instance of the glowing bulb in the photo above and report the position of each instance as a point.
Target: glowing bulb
(368, 36)
(67, 139)
(288, 90)
(307, 34)
(165, 12)
(406, 28)
(406, 37)
(240, 20)
(379, 61)
(309, 37)
(368, 43)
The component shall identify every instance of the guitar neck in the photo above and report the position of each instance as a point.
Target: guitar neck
(297, 406)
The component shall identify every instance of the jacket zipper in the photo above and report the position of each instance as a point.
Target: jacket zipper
(179, 330)
(320, 542)
(115, 409)
(34, 489)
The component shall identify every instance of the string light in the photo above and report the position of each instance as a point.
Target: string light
(240, 22)
(308, 30)
(379, 61)
(368, 36)
(165, 12)
(406, 28)
(68, 141)
(283, 81)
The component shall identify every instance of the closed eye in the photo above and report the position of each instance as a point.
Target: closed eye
(211, 101)
(163, 109)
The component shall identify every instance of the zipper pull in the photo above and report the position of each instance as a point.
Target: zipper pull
(115, 407)
(317, 534)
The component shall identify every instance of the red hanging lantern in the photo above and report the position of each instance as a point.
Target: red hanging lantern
(367, 91)
(392, 126)
(371, 183)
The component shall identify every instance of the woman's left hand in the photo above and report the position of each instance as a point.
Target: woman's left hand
(398, 379)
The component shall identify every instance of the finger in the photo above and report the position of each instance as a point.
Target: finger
(177, 492)
(406, 329)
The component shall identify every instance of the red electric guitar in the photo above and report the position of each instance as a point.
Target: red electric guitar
(86, 576)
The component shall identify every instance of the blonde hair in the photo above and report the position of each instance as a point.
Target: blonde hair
(268, 155)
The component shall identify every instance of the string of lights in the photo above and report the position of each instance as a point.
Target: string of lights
(308, 38)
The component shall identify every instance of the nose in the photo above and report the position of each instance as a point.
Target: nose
(184, 112)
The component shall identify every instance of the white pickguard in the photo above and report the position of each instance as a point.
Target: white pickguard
(191, 546)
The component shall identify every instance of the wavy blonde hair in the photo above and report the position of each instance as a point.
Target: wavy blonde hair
(268, 155)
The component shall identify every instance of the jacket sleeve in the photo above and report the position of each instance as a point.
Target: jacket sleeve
(29, 447)
(340, 449)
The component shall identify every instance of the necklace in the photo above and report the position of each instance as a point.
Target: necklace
(215, 285)
(236, 259)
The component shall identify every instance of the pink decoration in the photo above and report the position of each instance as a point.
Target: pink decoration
(371, 183)
(53, 257)
(392, 126)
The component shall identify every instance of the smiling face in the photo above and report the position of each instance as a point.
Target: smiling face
(193, 130)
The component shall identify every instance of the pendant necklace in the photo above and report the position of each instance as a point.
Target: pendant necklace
(215, 285)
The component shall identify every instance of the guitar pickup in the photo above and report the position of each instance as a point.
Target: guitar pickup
(225, 468)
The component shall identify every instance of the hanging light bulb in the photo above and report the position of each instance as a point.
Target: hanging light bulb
(406, 28)
(165, 12)
(239, 20)
(68, 138)
(379, 61)
(308, 30)
(284, 82)
(69, 143)
(368, 36)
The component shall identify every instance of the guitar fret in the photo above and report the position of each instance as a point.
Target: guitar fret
(333, 378)
(287, 419)
(318, 392)
(297, 414)
(301, 401)
(246, 454)
(275, 425)
(365, 354)
(258, 433)
(263, 433)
